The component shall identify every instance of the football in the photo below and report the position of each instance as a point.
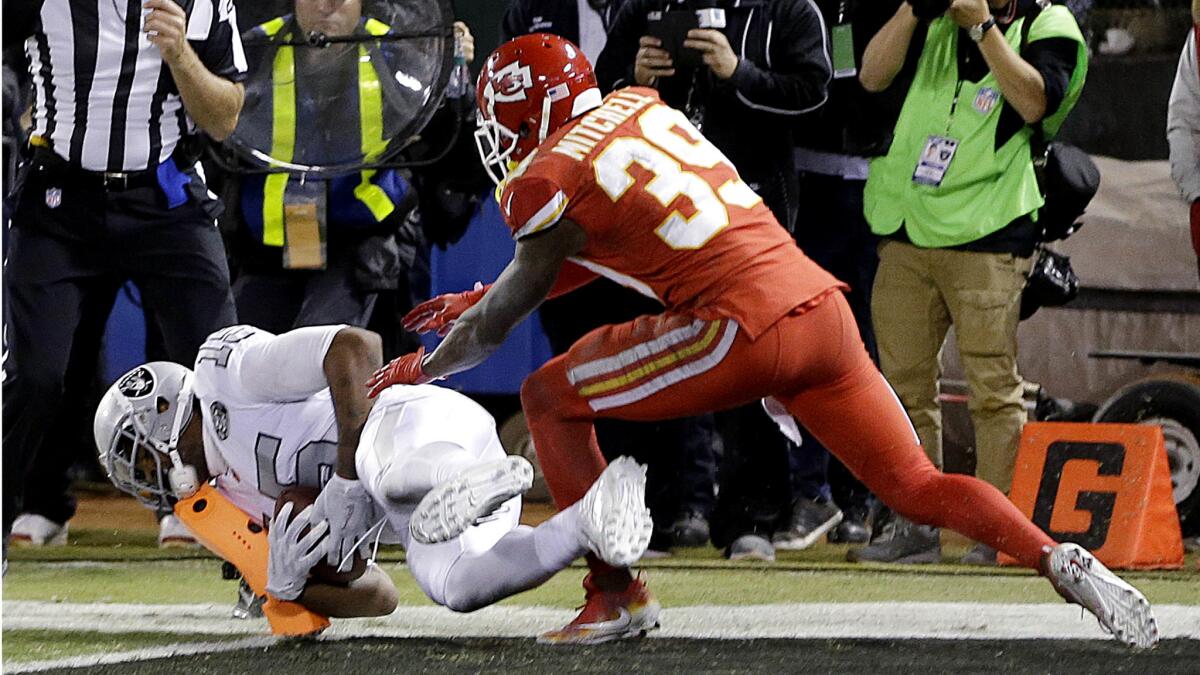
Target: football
(322, 572)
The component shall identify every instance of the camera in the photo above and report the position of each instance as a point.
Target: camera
(712, 17)
(672, 26)
(928, 10)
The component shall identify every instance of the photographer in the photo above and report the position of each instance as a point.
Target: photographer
(956, 199)
(743, 98)
(1183, 127)
(742, 72)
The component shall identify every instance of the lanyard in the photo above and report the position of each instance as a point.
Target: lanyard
(954, 103)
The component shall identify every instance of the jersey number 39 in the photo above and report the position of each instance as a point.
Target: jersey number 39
(662, 150)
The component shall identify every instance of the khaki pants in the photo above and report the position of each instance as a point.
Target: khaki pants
(918, 294)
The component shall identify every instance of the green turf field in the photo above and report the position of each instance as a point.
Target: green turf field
(37, 645)
(700, 582)
(106, 567)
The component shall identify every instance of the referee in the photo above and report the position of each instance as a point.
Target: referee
(109, 192)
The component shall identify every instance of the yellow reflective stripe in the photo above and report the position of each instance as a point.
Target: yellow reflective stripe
(373, 197)
(283, 142)
(370, 107)
(376, 27)
(273, 26)
(370, 115)
(654, 366)
(273, 189)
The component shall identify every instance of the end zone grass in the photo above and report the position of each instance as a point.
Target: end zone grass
(196, 581)
(43, 645)
(106, 565)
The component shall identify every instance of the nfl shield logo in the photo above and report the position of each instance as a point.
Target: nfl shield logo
(986, 99)
(53, 197)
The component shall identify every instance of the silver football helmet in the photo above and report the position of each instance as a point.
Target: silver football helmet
(137, 430)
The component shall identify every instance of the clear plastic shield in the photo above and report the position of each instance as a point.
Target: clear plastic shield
(336, 85)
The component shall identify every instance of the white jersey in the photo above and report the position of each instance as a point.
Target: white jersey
(269, 421)
(268, 416)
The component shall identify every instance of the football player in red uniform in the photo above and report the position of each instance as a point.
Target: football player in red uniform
(626, 187)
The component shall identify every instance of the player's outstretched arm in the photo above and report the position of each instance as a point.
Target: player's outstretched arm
(522, 286)
(439, 314)
(344, 502)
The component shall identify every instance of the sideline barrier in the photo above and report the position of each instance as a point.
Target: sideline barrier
(1106, 487)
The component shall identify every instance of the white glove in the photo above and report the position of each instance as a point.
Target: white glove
(292, 554)
(348, 508)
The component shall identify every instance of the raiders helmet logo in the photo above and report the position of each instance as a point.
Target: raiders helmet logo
(220, 419)
(509, 83)
(137, 383)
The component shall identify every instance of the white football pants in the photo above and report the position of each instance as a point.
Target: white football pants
(414, 442)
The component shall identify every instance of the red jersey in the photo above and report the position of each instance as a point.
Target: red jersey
(665, 213)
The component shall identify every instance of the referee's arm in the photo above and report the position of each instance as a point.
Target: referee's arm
(213, 102)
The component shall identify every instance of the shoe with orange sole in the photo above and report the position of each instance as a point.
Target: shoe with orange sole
(608, 615)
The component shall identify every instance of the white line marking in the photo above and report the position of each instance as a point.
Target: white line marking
(904, 620)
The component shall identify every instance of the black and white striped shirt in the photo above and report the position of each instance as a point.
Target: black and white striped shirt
(103, 97)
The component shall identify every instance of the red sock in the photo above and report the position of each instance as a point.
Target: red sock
(606, 577)
(978, 510)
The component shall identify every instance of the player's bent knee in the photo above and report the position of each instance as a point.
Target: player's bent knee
(547, 394)
(463, 603)
(538, 395)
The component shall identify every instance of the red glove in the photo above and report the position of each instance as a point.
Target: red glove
(402, 370)
(441, 312)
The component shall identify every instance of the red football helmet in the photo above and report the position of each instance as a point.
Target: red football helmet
(528, 88)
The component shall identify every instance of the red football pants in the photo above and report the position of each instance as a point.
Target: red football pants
(813, 362)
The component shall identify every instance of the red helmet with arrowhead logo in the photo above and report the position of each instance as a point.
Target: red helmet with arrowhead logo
(528, 88)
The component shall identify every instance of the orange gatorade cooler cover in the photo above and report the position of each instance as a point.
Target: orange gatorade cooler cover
(228, 532)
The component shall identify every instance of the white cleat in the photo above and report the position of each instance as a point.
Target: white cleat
(613, 519)
(1120, 608)
(459, 501)
(30, 529)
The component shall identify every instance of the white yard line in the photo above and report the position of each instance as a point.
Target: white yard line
(796, 620)
(897, 620)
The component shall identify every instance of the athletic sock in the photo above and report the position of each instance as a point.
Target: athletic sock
(557, 541)
(522, 559)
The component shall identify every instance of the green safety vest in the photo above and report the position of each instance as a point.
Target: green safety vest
(985, 188)
(283, 130)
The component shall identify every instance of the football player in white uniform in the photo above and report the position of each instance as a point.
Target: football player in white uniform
(420, 466)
